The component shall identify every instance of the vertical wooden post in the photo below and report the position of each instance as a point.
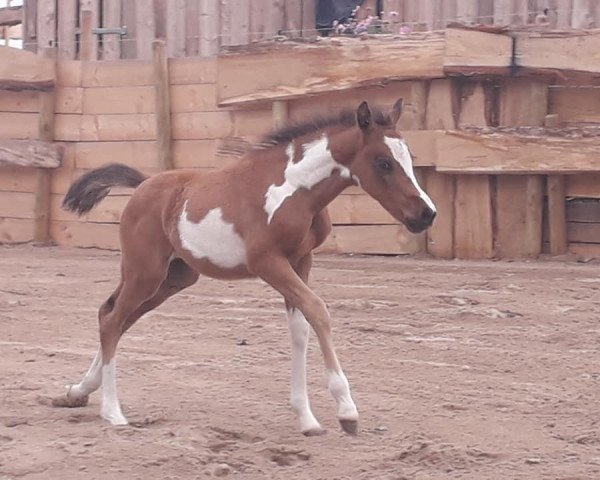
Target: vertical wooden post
(473, 220)
(41, 209)
(557, 214)
(111, 18)
(163, 105)
(86, 37)
(519, 198)
(280, 113)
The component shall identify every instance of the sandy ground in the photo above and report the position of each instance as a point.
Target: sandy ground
(471, 370)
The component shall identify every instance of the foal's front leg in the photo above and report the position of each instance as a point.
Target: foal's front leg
(277, 272)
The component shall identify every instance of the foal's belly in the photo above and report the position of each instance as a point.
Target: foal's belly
(206, 267)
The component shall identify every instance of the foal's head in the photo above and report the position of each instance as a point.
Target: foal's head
(382, 164)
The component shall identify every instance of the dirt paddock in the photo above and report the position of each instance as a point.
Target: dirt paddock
(478, 370)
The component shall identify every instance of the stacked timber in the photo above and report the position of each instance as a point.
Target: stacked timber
(502, 133)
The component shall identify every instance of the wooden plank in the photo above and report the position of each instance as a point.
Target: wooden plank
(440, 237)
(41, 209)
(87, 45)
(523, 102)
(358, 209)
(564, 14)
(239, 22)
(210, 41)
(87, 235)
(22, 70)
(519, 202)
(16, 230)
(199, 125)
(583, 210)
(583, 185)
(507, 153)
(252, 122)
(46, 24)
(23, 101)
(430, 14)
(259, 12)
(583, 14)
(293, 18)
(371, 239)
(117, 73)
(30, 26)
(176, 15)
(187, 70)
(502, 12)
(583, 232)
(105, 127)
(67, 24)
(128, 18)
(414, 109)
(17, 205)
(467, 11)
(144, 29)
(472, 104)
(18, 125)
(16, 179)
(111, 18)
(68, 73)
(92, 6)
(69, 100)
(570, 58)
(193, 26)
(588, 250)
(137, 154)
(107, 100)
(163, 105)
(275, 18)
(473, 232)
(575, 104)
(30, 153)
(309, 18)
(194, 98)
(441, 105)
(557, 216)
(159, 14)
(11, 16)
(292, 70)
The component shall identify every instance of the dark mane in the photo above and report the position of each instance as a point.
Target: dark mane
(345, 118)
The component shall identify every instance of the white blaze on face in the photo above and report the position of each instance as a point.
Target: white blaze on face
(212, 238)
(316, 165)
(402, 155)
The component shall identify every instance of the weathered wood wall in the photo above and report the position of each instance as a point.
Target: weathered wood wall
(200, 27)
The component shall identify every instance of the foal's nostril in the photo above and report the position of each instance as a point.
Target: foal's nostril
(428, 215)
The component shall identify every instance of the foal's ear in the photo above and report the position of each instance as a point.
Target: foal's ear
(396, 111)
(363, 116)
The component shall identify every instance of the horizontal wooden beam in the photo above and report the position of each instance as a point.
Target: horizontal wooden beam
(462, 152)
(24, 70)
(567, 57)
(30, 153)
(277, 71)
(10, 16)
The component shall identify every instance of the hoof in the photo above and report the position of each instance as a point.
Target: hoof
(314, 432)
(349, 426)
(67, 401)
(114, 419)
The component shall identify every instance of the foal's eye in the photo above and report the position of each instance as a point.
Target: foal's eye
(384, 165)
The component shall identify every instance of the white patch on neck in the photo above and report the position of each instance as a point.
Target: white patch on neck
(212, 238)
(402, 155)
(316, 165)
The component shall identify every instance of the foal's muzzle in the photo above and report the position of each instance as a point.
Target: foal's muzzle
(423, 222)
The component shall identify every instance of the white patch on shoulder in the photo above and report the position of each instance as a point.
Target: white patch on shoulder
(212, 238)
(316, 165)
(402, 155)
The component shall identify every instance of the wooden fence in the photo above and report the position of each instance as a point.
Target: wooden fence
(509, 150)
(201, 27)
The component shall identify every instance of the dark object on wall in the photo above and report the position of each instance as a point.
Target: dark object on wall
(330, 10)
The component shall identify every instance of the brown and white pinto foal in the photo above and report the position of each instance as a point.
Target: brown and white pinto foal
(261, 217)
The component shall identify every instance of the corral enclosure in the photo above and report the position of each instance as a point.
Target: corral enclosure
(503, 123)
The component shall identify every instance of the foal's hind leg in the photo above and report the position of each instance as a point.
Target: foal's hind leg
(178, 276)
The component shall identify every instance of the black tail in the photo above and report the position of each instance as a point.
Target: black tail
(87, 191)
